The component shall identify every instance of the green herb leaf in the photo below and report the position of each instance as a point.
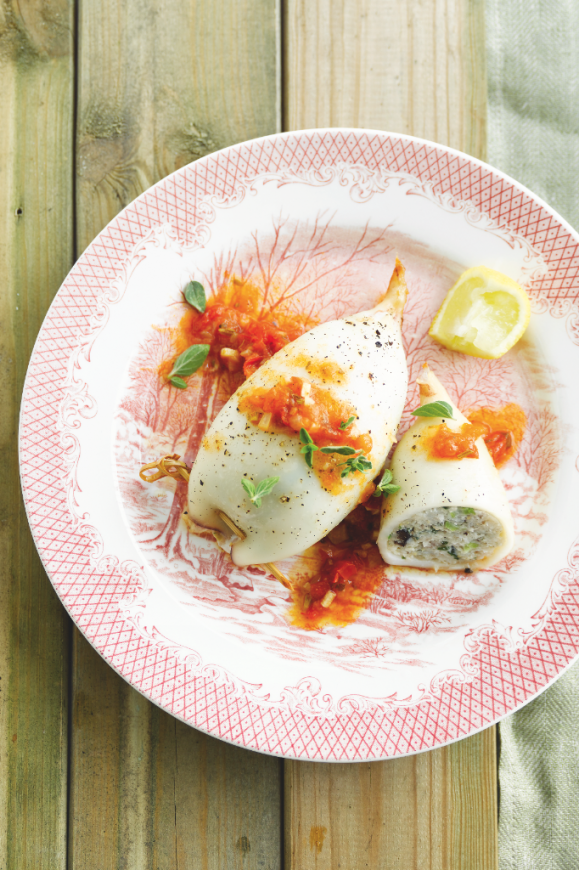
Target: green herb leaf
(472, 546)
(248, 487)
(448, 548)
(450, 526)
(466, 510)
(178, 382)
(355, 463)
(434, 409)
(189, 361)
(343, 450)
(348, 422)
(195, 295)
(386, 487)
(309, 447)
(263, 488)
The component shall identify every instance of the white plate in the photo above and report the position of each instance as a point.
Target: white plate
(436, 656)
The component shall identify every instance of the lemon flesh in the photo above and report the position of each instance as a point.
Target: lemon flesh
(484, 314)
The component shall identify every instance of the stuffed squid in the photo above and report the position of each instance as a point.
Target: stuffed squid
(296, 446)
(451, 511)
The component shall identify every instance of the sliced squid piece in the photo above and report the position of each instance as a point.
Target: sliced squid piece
(449, 514)
(359, 361)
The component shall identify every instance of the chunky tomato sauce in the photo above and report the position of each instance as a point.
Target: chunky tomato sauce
(296, 404)
(241, 330)
(350, 572)
(505, 429)
(447, 443)
(502, 430)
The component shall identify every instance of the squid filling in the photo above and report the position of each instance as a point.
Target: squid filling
(446, 536)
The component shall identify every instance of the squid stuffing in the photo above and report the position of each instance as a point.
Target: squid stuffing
(451, 511)
(312, 427)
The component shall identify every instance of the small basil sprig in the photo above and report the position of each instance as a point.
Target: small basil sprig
(189, 361)
(195, 295)
(309, 447)
(355, 463)
(386, 487)
(256, 493)
(348, 422)
(434, 409)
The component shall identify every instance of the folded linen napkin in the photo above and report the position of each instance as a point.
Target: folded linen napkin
(533, 135)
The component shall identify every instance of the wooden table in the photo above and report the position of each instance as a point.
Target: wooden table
(99, 99)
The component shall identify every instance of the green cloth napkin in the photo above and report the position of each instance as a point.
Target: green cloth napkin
(533, 135)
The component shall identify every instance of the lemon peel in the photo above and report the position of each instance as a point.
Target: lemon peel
(483, 314)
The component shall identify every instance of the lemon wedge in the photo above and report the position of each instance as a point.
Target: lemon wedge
(484, 314)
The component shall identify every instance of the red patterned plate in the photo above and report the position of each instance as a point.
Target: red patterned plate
(313, 220)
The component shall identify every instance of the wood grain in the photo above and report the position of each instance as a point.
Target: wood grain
(415, 67)
(160, 85)
(432, 811)
(175, 81)
(150, 792)
(36, 107)
(418, 68)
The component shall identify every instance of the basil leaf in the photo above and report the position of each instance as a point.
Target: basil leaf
(248, 487)
(355, 463)
(348, 422)
(308, 448)
(434, 409)
(256, 493)
(178, 382)
(386, 487)
(265, 486)
(390, 488)
(343, 450)
(195, 295)
(190, 360)
(362, 463)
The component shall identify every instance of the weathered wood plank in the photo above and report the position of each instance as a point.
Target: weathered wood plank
(414, 67)
(436, 810)
(158, 87)
(36, 107)
(228, 805)
(147, 791)
(418, 68)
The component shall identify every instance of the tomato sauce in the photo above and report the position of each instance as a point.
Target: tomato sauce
(295, 404)
(502, 430)
(240, 328)
(446, 443)
(350, 572)
(506, 428)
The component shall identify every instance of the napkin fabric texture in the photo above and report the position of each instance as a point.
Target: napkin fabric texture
(533, 135)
